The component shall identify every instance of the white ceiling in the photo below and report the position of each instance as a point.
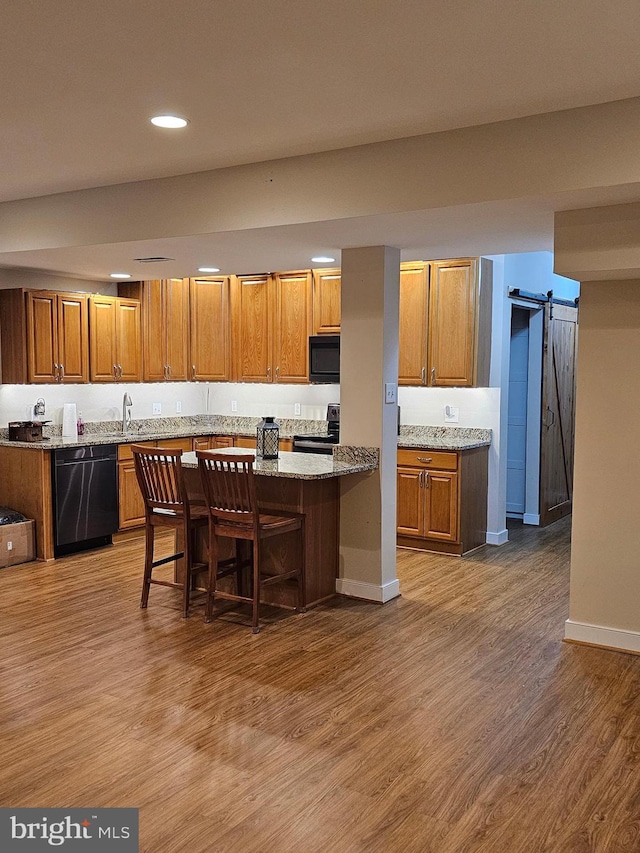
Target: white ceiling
(262, 79)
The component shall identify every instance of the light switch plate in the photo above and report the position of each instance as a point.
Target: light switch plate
(390, 392)
(234, 405)
(157, 408)
(178, 407)
(296, 408)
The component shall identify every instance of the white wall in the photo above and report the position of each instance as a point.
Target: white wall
(12, 278)
(256, 399)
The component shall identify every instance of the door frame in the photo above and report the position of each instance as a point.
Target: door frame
(531, 513)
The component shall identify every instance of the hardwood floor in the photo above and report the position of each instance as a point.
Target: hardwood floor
(451, 720)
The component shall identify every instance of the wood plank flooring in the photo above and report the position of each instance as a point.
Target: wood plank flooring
(452, 720)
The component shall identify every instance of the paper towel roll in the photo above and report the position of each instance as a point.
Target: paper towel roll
(70, 421)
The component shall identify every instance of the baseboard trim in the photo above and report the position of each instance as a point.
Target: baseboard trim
(531, 518)
(500, 537)
(368, 591)
(597, 635)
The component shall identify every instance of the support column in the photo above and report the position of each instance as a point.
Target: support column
(368, 361)
(601, 246)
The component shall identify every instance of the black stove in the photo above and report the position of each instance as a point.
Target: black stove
(321, 443)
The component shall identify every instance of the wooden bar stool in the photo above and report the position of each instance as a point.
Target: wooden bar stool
(228, 483)
(166, 504)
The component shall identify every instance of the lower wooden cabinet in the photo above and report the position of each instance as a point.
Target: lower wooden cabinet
(442, 499)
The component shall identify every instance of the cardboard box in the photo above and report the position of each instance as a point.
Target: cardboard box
(17, 543)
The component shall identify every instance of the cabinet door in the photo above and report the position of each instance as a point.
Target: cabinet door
(293, 326)
(222, 441)
(410, 502)
(209, 309)
(42, 336)
(154, 331)
(245, 441)
(176, 324)
(452, 323)
(412, 333)
(202, 443)
(127, 322)
(102, 338)
(441, 505)
(326, 302)
(73, 337)
(130, 503)
(252, 328)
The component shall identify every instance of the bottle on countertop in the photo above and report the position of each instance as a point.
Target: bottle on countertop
(80, 424)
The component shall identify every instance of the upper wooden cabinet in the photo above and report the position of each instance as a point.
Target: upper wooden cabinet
(45, 336)
(412, 332)
(210, 339)
(460, 323)
(271, 327)
(115, 343)
(326, 302)
(165, 321)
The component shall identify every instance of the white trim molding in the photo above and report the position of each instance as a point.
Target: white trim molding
(531, 518)
(500, 537)
(598, 635)
(369, 591)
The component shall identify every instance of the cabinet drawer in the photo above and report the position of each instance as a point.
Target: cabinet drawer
(185, 444)
(442, 460)
(124, 450)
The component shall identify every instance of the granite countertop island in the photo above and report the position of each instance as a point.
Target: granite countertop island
(303, 466)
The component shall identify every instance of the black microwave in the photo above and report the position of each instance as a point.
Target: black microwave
(324, 358)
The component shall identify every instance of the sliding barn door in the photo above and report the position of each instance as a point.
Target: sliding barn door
(558, 411)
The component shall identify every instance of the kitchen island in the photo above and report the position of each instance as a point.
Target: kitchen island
(304, 483)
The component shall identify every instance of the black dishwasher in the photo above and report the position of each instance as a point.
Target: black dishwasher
(85, 497)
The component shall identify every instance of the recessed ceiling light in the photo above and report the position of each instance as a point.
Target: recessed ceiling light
(208, 269)
(322, 260)
(119, 275)
(169, 121)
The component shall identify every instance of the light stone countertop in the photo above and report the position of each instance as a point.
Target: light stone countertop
(156, 429)
(300, 466)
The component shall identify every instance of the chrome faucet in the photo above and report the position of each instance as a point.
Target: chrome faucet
(126, 412)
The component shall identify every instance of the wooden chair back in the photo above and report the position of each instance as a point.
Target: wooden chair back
(228, 483)
(160, 477)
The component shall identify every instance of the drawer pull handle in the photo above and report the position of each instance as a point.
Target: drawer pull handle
(433, 376)
(425, 459)
(423, 375)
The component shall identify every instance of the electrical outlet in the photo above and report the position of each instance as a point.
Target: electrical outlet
(451, 414)
(178, 407)
(157, 409)
(9, 546)
(296, 409)
(234, 405)
(390, 392)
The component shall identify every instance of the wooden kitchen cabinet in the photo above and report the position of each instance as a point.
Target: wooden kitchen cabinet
(271, 327)
(210, 358)
(115, 339)
(164, 306)
(460, 323)
(412, 331)
(326, 302)
(442, 499)
(45, 336)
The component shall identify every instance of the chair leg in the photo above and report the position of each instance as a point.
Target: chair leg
(188, 562)
(213, 571)
(148, 560)
(301, 577)
(255, 623)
